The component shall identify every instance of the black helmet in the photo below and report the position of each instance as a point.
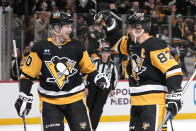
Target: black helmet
(140, 18)
(107, 48)
(61, 18)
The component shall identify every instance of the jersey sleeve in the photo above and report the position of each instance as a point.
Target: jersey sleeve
(118, 42)
(30, 71)
(32, 66)
(162, 59)
(121, 46)
(85, 64)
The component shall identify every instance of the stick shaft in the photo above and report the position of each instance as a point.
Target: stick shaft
(16, 58)
(24, 122)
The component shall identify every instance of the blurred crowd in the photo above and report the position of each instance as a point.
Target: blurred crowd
(172, 21)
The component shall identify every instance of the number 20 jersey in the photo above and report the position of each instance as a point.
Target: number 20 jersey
(154, 71)
(59, 69)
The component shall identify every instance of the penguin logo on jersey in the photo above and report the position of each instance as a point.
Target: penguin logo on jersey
(61, 69)
(145, 125)
(138, 68)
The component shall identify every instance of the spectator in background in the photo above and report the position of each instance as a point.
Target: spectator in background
(172, 11)
(41, 26)
(149, 6)
(82, 30)
(134, 8)
(25, 54)
(194, 36)
(94, 35)
(29, 29)
(180, 40)
(124, 6)
(70, 6)
(192, 7)
(83, 6)
(165, 35)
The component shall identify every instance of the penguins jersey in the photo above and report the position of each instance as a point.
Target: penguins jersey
(60, 70)
(154, 71)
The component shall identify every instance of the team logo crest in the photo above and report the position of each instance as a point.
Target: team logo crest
(83, 125)
(146, 125)
(138, 68)
(61, 69)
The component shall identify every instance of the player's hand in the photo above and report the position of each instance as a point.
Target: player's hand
(174, 102)
(86, 91)
(111, 93)
(101, 80)
(23, 104)
(104, 17)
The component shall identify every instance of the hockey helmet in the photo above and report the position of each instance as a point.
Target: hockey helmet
(60, 18)
(140, 18)
(106, 48)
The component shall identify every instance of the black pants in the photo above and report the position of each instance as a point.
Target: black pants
(146, 118)
(75, 114)
(95, 101)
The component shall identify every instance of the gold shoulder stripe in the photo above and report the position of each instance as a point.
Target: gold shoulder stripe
(32, 66)
(122, 45)
(50, 39)
(85, 64)
(162, 59)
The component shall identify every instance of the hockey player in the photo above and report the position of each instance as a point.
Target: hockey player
(155, 77)
(60, 61)
(96, 98)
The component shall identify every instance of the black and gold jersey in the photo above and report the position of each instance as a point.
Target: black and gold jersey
(60, 70)
(154, 71)
(23, 59)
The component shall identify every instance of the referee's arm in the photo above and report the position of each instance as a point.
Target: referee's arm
(114, 78)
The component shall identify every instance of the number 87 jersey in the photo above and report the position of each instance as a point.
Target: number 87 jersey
(154, 71)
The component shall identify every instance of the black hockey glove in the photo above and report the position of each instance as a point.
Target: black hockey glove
(174, 102)
(23, 104)
(101, 80)
(104, 17)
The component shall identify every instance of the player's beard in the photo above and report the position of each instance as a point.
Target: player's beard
(59, 39)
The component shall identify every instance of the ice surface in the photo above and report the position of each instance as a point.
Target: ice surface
(179, 125)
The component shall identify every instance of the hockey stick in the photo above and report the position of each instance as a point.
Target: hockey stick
(117, 17)
(168, 113)
(24, 120)
(16, 57)
(95, 2)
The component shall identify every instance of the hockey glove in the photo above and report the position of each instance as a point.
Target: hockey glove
(23, 104)
(104, 17)
(101, 80)
(174, 102)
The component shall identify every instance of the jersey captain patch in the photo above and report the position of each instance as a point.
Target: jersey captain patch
(61, 69)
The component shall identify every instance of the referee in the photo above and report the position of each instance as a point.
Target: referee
(96, 98)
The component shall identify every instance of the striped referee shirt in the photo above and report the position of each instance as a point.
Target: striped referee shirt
(109, 69)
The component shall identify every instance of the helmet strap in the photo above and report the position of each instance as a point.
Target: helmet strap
(56, 32)
(137, 35)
